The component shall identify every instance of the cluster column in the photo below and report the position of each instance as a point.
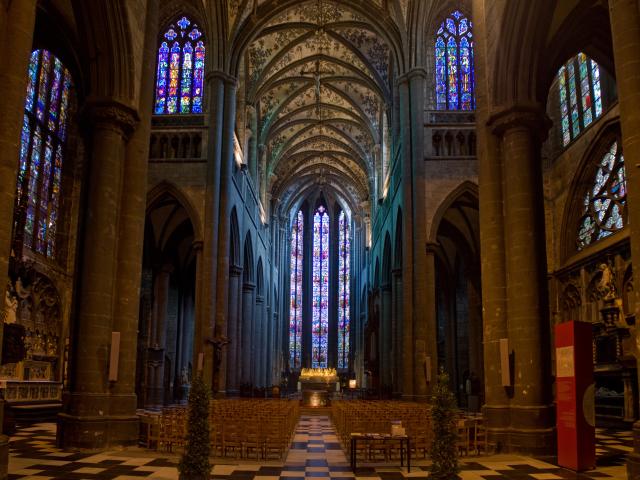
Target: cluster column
(625, 32)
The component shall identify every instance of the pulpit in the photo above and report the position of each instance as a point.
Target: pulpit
(317, 385)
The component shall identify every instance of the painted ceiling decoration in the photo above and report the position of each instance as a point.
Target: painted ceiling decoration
(319, 77)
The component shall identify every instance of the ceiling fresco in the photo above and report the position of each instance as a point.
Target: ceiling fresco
(320, 77)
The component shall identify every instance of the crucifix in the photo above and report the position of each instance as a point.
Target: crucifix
(317, 77)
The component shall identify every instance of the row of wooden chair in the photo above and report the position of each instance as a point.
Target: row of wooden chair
(238, 428)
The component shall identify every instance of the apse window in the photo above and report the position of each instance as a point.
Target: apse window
(454, 64)
(180, 72)
(603, 207)
(580, 95)
(42, 149)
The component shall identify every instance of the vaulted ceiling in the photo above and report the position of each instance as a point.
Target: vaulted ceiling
(319, 75)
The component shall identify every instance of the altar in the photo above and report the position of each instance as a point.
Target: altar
(317, 385)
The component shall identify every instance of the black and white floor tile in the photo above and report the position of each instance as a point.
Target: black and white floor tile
(315, 454)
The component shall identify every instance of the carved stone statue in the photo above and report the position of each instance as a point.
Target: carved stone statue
(607, 285)
(11, 307)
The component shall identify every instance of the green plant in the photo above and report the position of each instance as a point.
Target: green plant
(443, 451)
(194, 464)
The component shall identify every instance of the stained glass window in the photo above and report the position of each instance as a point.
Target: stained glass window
(42, 143)
(580, 95)
(180, 73)
(604, 202)
(344, 257)
(295, 309)
(454, 64)
(320, 317)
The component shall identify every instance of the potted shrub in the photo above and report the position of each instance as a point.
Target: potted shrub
(443, 451)
(194, 464)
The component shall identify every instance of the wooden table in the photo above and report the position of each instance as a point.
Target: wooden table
(405, 446)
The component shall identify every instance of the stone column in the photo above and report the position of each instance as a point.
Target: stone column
(208, 265)
(16, 30)
(222, 284)
(87, 423)
(123, 400)
(248, 291)
(521, 130)
(253, 152)
(233, 329)
(492, 237)
(407, 241)
(397, 331)
(625, 32)
(158, 339)
(386, 362)
(429, 321)
(257, 342)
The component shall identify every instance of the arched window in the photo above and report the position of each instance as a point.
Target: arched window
(42, 150)
(604, 202)
(320, 316)
(344, 263)
(454, 64)
(580, 95)
(295, 309)
(180, 75)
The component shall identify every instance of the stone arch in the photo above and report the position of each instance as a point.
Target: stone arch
(467, 187)
(387, 261)
(234, 243)
(247, 265)
(260, 278)
(167, 188)
(398, 240)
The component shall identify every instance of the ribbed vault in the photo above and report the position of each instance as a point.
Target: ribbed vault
(319, 76)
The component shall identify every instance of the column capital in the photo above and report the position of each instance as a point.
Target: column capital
(219, 74)
(197, 245)
(526, 116)
(112, 114)
(431, 248)
(411, 74)
(235, 270)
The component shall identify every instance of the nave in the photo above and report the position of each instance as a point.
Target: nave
(315, 452)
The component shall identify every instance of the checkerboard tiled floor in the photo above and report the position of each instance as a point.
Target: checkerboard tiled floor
(315, 454)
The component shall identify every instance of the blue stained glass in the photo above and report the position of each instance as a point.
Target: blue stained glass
(320, 317)
(454, 64)
(180, 71)
(183, 23)
(43, 84)
(441, 75)
(452, 67)
(32, 78)
(187, 72)
(344, 290)
(580, 95)
(295, 309)
(40, 174)
(161, 83)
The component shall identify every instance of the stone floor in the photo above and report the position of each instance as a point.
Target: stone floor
(315, 453)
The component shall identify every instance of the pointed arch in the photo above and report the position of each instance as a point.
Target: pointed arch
(467, 188)
(247, 264)
(387, 261)
(260, 278)
(398, 244)
(168, 188)
(234, 243)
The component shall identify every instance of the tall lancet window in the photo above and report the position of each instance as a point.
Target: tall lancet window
(180, 74)
(344, 257)
(320, 318)
(580, 95)
(454, 64)
(42, 149)
(295, 310)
